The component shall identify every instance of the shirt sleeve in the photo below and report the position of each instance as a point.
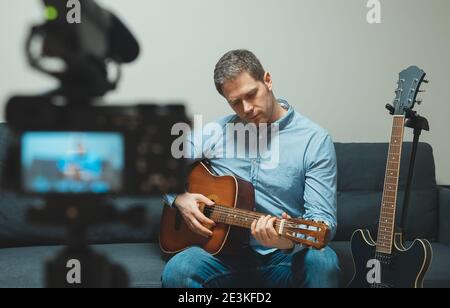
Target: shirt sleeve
(199, 145)
(320, 193)
(169, 199)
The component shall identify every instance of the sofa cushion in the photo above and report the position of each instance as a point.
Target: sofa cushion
(361, 170)
(15, 231)
(4, 141)
(24, 267)
(361, 210)
(362, 166)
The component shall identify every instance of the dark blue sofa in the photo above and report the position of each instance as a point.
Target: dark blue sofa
(24, 248)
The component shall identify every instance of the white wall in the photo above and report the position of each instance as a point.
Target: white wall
(323, 55)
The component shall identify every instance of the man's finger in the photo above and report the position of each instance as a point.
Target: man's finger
(203, 199)
(254, 231)
(203, 219)
(271, 232)
(253, 227)
(258, 230)
(262, 228)
(201, 229)
(285, 216)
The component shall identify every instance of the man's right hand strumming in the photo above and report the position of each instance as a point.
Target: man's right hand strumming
(189, 206)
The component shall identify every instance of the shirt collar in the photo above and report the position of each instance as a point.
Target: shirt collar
(287, 118)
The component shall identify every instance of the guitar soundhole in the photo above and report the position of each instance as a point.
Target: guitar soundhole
(213, 198)
(208, 213)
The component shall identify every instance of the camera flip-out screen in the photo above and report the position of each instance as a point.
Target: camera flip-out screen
(72, 162)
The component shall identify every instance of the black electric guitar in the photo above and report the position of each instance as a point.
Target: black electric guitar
(386, 263)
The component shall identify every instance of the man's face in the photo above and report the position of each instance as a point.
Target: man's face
(80, 149)
(252, 100)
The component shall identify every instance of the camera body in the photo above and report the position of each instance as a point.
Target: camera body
(76, 154)
(63, 148)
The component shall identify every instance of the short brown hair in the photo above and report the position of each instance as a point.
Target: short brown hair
(235, 62)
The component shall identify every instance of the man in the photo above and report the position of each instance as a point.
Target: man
(81, 165)
(303, 183)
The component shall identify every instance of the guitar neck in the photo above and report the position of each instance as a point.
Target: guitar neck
(311, 233)
(235, 217)
(388, 206)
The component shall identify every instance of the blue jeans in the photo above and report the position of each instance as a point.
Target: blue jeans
(308, 268)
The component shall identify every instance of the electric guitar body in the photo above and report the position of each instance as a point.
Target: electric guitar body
(386, 263)
(403, 268)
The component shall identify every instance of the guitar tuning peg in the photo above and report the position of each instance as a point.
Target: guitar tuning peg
(426, 81)
(422, 91)
(390, 108)
(419, 101)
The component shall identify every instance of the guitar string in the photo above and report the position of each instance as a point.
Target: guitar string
(233, 214)
(236, 212)
(382, 240)
(307, 239)
(223, 214)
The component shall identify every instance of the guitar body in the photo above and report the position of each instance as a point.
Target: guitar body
(387, 263)
(229, 191)
(404, 268)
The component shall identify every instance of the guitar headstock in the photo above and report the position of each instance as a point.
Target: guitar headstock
(409, 83)
(307, 232)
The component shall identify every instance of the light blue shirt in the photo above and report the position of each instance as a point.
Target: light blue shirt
(300, 181)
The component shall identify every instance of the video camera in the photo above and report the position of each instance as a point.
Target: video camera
(68, 149)
(66, 143)
(78, 150)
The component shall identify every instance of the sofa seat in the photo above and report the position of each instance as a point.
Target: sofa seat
(24, 267)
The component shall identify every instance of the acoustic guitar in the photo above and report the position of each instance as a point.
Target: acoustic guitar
(386, 263)
(233, 213)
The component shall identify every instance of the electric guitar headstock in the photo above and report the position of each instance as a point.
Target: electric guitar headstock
(409, 83)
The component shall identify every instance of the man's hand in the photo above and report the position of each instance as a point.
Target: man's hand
(264, 232)
(189, 204)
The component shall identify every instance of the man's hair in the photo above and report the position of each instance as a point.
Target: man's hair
(235, 62)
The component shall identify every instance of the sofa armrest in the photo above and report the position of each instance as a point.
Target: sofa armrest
(444, 214)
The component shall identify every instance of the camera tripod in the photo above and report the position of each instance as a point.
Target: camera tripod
(78, 265)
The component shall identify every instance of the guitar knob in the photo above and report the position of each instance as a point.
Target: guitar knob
(390, 108)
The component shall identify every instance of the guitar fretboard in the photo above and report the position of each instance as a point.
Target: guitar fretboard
(234, 216)
(298, 230)
(389, 201)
